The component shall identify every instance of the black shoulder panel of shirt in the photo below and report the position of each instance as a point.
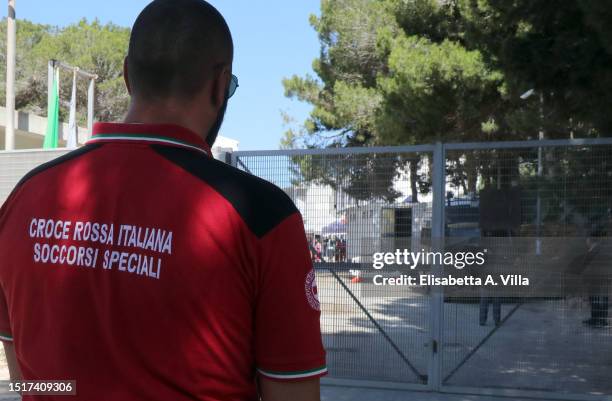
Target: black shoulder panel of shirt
(55, 162)
(260, 204)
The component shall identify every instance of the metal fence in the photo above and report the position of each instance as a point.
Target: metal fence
(538, 207)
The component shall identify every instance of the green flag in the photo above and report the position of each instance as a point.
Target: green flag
(52, 134)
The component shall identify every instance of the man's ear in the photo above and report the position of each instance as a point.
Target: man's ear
(220, 87)
(125, 76)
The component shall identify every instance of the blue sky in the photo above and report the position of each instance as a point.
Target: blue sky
(271, 42)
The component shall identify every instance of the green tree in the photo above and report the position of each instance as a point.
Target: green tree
(562, 50)
(91, 46)
(28, 83)
(394, 72)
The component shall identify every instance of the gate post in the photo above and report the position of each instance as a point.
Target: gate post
(436, 323)
(229, 159)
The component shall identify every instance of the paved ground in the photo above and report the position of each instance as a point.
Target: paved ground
(333, 393)
(543, 345)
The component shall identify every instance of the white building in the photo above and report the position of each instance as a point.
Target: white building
(319, 205)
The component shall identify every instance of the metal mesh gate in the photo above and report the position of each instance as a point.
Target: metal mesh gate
(544, 338)
(557, 200)
(355, 204)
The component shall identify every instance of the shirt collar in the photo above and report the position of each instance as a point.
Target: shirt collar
(165, 134)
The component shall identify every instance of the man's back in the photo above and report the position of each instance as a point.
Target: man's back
(143, 269)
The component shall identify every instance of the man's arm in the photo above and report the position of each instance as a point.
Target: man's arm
(289, 354)
(306, 390)
(11, 359)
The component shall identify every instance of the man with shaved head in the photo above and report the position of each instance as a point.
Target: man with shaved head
(140, 268)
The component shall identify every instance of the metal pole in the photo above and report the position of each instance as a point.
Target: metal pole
(437, 240)
(57, 78)
(540, 172)
(71, 68)
(50, 76)
(9, 132)
(90, 106)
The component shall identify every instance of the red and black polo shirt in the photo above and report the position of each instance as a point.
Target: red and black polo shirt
(144, 269)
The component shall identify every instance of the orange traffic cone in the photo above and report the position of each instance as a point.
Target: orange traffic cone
(357, 277)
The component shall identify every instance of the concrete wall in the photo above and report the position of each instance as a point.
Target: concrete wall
(14, 165)
(30, 130)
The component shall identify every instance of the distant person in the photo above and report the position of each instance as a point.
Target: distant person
(144, 269)
(485, 300)
(311, 249)
(330, 249)
(499, 218)
(318, 249)
(599, 310)
(596, 262)
(496, 261)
